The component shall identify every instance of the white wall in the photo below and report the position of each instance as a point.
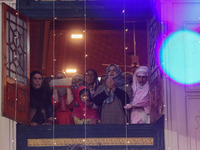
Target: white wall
(7, 127)
(182, 103)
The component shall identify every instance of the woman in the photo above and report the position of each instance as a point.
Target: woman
(139, 105)
(62, 99)
(77, 80)
(91, 81)
(40, 101)
(111, 97)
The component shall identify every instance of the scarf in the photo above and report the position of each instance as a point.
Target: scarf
(37, 96)
(82, 109)
(140, 93)
(119, 82)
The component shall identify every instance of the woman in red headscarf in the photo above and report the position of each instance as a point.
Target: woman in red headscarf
(84, 114)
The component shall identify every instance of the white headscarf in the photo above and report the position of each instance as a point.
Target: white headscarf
(140, 93)
(77, 76)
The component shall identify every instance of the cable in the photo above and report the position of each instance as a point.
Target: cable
(53, 59)
(85, 42)
(125, 48)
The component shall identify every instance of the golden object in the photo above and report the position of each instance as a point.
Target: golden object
(91, 141)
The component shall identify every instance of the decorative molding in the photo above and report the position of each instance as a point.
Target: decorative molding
(197, 119)
(192, 88)
(193, 120)
(16, 47)
(90, 141)
(10, 95)
(192, 25)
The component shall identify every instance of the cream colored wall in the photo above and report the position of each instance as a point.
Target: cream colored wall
(182, 103)
(7, 127)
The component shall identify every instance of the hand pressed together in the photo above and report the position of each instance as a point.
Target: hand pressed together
(110, 84)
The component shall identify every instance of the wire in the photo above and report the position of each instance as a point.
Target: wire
(126, 113)
(53, 59)
(85, 42)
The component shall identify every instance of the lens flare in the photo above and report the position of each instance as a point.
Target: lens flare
(179, 57)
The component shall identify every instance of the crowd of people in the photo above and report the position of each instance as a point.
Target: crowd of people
(118, 98)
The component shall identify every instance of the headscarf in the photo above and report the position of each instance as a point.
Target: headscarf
(59, 72)
(140, 93)
(118, 78)
(119, 82)
(37, 96)
(33, 73)
(78, 77)
(82, 109)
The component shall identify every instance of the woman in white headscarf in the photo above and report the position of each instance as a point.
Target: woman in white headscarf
(140, 112)
(77, 80)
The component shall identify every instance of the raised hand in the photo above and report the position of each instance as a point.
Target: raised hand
(110, 84)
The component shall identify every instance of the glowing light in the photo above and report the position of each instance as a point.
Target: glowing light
(178, 57)
(77, 36)
(71, 70)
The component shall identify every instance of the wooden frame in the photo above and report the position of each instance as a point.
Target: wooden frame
(15, 98)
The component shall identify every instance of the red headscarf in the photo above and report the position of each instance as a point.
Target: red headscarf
(82, 109)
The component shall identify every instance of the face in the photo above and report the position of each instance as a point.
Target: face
(112, 72)
(85, 96)
(37, 81)
(60, 75)
(142, 80)
(90, 77)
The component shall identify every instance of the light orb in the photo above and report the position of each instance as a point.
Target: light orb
(179, 57)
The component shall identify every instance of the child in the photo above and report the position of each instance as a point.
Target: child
(84, 114)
